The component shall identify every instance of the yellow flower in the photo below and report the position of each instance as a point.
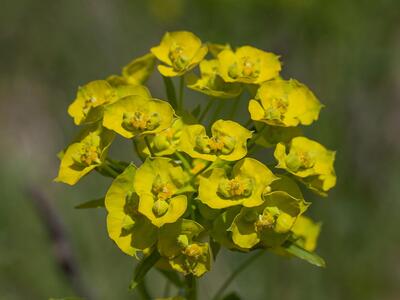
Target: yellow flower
(136, 115)
(311, 162)
(271, 222)
(129, 229)
(139, 69)
(161, 185)
(179, 243)
(180, 51)
(306, 232)
(82, 156)
(87, 107)
(246, 186)
(248, 65)
(228, 141)
(210, 83)
(284, 103)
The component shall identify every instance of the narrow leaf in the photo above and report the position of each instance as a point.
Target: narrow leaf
(96, 203)
(301, 253)
(143, 267)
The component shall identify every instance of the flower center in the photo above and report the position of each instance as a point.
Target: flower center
(176, 55)
(273, 218)
(249, 68)
(140, 121)
(219, 144)
(235, 188)
(193, 250)
(297, 160)
(165, 139)
(162, 190)
(267, 219)
(278, 107)
(89, 153)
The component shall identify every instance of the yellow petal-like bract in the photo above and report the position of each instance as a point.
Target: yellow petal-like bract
(129, 229)
(284, 103)
(136, 115)
(87, 107)
(311, 162)
(180, 51)
(248, 65)
(160, 184)
(228, 141)
(84, 155)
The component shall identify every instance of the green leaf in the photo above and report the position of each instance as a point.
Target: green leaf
(301, 253)
(143, 267)
(170, 89)
(96, 203)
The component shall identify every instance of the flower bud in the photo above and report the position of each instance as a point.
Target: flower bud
(284, 223)
(229, 145)
(160, 208)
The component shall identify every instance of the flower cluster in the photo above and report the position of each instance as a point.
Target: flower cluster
(201, 186)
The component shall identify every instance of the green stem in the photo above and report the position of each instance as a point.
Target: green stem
(235, 273)
(116, 165)
(205, 111)
(170, 90)
(109, 170)
(217, 110)
(191, 287)
(136, 147)
(180, 98)
(252, 142)
(234, 107)
(146, 140)
(184, 161)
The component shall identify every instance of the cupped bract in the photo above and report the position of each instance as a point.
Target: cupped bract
(87, 107)
(306, 232)
(180, 243)
(248, 65)
(165, 142)
(139, 69)
(245, 186)
(137, 115)
(284, 103)
(228, 141)
(129, 229)
(180, 51)
(309, 161)
(271, 222)
(85, 154)
(161, 185)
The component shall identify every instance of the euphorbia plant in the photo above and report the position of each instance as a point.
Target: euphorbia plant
(200, 187)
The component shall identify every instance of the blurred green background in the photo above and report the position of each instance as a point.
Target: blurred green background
(347, 52)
